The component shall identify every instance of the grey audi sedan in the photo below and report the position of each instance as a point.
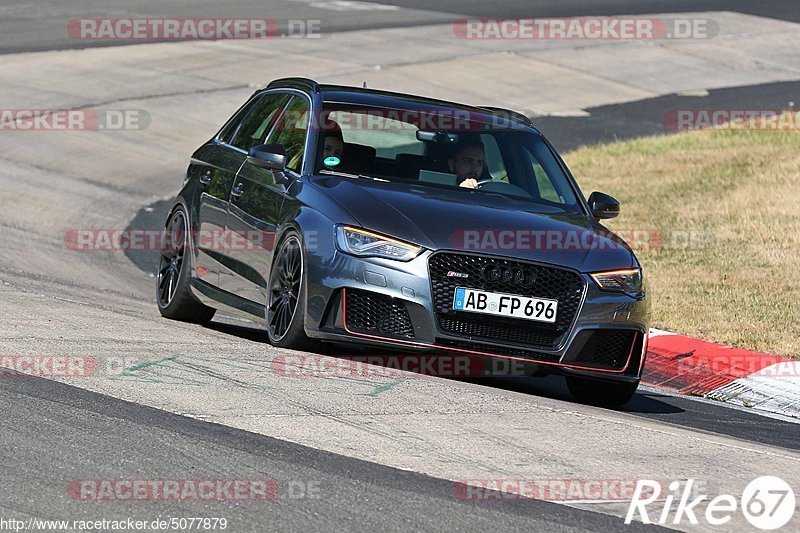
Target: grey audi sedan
(341, 214)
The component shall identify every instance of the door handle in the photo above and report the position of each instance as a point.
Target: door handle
(205, 179)
(238, 190)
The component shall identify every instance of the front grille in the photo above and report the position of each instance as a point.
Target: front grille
(369, 312)
(517, 277)
(605, 348)
(487, 328)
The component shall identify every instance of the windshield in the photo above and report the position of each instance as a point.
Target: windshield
(465, 154)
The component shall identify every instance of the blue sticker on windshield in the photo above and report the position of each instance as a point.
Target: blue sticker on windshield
(331, 161)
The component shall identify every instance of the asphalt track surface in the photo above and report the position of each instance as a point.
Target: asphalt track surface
(41, 25)
(55, 432)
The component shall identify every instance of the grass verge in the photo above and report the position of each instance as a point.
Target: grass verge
(717, 216)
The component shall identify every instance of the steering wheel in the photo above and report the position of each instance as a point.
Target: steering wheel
(504, 188)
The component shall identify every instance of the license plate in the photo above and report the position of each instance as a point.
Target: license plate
(508, 305)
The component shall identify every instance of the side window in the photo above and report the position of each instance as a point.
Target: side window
(546, 189)
(290, 132)
(550, 181)
(494, 159)
(253, 128)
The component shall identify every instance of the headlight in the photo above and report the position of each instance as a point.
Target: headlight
(363, 243)
(628, 281)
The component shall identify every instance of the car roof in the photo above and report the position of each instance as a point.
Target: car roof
(387, 99)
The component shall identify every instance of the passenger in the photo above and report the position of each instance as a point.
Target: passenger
(333, 145)
(333, 141)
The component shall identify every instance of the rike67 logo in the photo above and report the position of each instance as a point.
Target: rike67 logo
(767, 503)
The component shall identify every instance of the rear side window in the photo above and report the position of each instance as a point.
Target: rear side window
(395, 137)
(253, 128)
(226, 134)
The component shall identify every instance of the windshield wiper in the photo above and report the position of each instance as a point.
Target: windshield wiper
(348, 175)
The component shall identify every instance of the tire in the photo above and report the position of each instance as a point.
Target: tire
(173, 295)
(286, 296)
(601, 393)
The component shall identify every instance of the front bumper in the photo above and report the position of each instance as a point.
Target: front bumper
(393, 304)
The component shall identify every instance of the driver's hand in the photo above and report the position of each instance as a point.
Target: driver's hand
(469, 183)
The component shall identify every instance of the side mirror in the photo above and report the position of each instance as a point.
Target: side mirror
(269, 156)
(603, 205)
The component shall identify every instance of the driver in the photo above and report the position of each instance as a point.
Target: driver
(467, 162)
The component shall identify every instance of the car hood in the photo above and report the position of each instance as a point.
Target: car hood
(477, 222)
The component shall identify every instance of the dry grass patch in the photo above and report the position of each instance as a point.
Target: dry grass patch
(727, 207)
